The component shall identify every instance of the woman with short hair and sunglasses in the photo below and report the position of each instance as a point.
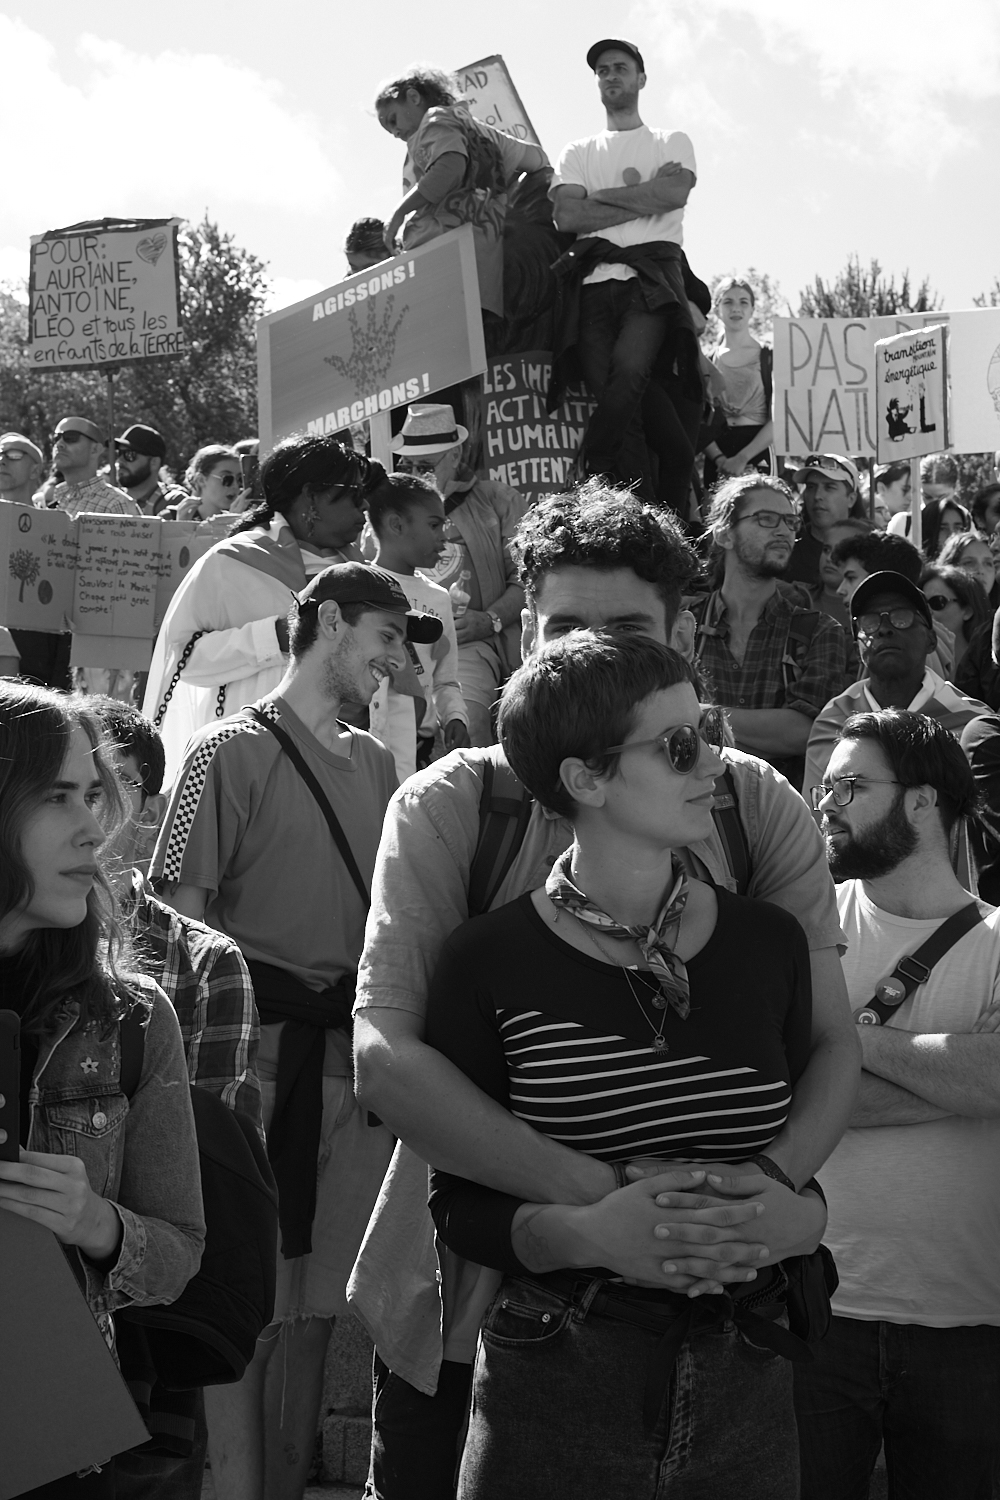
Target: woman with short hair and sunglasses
(629, 1011)
(224, 638)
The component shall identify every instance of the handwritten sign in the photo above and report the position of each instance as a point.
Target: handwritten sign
(383, 338)
(522, 445)
(911, 385)
(39, 549)
(116, 576)
(489, 92)
(824, 380)
(104, 295)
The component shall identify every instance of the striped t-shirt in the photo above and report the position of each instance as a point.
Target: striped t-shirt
(561, 1040)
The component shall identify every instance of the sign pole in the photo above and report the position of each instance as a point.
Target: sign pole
(916, 505)
(112, 450)
(381, 439)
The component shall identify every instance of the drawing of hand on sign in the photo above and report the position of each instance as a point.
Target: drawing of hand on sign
(373, 348)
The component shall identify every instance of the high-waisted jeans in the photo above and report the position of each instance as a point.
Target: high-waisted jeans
(558, 1395)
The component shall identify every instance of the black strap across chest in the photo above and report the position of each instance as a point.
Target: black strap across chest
(914, 969)
(333, 822)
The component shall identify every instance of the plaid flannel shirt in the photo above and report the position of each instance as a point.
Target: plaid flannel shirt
(206, 980)
(771, 675)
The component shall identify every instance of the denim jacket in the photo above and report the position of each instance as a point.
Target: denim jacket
(141, 1154)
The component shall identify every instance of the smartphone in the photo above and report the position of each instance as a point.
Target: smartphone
(250, 470)
(10, 1084)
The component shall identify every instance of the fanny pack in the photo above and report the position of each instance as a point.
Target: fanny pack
(914, 969)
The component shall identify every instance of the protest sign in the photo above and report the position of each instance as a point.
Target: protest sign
(824, 380)
(36, 584)
(180, 548)
(911, 390)
(522, 445)
(489, 91)
(383, 338)
(103, 294)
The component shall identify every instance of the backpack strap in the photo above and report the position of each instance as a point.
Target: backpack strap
(767, 374)
(504, 810)
(914, 969)
(333, 822)
(732, 834)
(801, 629)
(132, 1041)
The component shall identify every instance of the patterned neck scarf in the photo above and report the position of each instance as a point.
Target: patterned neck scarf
(656, 943)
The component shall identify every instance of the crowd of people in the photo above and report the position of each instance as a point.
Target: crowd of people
(587, 906)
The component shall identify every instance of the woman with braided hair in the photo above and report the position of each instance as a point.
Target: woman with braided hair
(224, 638)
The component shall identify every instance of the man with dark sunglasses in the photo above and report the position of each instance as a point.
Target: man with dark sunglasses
(895, 632)
(141, 453)
(771, 662)
(79, 450)
(593, 559)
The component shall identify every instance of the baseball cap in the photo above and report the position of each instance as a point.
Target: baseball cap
(888, 582)
(360, 583)
(18, 440)
(607, 45)
(833, 465)
(81, 424)
(144, 440)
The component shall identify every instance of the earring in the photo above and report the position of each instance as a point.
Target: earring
(312, 518)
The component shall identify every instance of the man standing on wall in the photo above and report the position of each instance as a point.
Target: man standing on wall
(623, 193)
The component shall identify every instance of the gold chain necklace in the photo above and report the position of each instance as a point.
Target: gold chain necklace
(658, 1043)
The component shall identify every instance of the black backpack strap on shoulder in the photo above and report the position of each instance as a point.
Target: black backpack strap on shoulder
(914, 969)
(132, 1040)
(801, 629)
(333, 822)
(729, 826)
(504, 809)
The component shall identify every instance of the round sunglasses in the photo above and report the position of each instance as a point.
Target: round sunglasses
(683, 743)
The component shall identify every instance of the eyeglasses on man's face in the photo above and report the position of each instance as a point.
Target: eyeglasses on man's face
(683, 742)
(416, 466)
(770, 520)
(72, 438)
(900, 619)
(841, 789)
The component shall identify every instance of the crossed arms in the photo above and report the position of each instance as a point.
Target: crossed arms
(911, 1077)
(578, 212)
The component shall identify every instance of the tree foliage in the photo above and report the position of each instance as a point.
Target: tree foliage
(208, 395)
(990, 298)
(865, 292)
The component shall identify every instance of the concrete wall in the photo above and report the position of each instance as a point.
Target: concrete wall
(345, 1415)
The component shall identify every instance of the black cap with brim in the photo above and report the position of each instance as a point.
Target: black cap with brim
(607, 45)
(361, 583)
(144, 440)
(888, 582)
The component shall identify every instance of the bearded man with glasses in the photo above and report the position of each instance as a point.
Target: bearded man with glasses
(895, 632)
(772, 661)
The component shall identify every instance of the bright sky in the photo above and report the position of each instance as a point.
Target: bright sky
(820, 129)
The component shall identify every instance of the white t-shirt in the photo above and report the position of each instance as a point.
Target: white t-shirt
(602, 161)
(391, 716)
(915, 1209)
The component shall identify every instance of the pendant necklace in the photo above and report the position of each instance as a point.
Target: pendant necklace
(659, 1043)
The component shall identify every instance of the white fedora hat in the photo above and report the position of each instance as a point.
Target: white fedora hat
(428, 430)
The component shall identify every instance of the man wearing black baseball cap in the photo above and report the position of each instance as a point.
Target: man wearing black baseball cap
(271, 836)
(622, 193)
(141, 451)
(895, 632)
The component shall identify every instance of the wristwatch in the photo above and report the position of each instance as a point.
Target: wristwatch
(497, 622)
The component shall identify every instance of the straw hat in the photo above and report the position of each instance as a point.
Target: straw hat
(427, 430)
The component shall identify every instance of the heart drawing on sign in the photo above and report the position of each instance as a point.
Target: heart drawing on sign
(631, 177)
(152, 247)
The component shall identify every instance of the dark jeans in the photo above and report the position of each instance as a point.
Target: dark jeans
(557, 1408)
(670, 424)
(617, 346)
(932, 1395)
(164, 1476)
(417, 1439)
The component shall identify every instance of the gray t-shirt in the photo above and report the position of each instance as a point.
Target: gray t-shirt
(243, 826)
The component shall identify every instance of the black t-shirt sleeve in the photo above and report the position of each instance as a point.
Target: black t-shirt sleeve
(462, 1024)
(798, 1016)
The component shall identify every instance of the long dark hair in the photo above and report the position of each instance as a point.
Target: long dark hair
(967, 590)
(930, 522)
(60, 964)
(310, 463)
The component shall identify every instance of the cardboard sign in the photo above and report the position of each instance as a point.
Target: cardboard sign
(64, 1405)
(39, 569)
(911, 386)
(522, 445)
(116, 568)
(489, 92)
(383, 338)
(104, 294)
(824, 380)
(180, 548)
